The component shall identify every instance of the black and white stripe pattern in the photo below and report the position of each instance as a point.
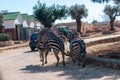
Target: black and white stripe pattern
(77, 48)
(50, 41)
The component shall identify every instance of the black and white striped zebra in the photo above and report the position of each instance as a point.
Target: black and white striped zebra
(77, 48)
(47, 40)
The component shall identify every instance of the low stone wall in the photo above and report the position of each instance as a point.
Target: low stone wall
(100, 61)
(104, 62)
(6, 43)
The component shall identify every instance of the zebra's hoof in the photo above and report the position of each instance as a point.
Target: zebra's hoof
(56, 65)
(42, 64)
(74, 61)
(83, 65)
(78, 64)
(45, 62)
(63, 64)
(41, 60)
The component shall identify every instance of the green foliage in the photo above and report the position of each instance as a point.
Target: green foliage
(78, 11)
(1, 16)
(4, 37)
(4, 12)
(48, 15)
(112, 11)
(94, 21)
(1, 19)
(102, 1)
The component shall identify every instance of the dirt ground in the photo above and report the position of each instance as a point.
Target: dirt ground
(23, 64)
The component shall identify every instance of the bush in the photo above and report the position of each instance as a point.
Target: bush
(4, 37)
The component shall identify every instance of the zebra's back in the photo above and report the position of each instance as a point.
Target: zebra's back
(75, 46)
(54, 41)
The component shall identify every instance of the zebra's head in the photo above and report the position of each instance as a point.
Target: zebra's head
(77, 35)
(70, 36)
(73, 35)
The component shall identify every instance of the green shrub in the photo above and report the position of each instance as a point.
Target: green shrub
(4, 37)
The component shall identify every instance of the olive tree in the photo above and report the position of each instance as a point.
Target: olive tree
(2, 12)
(77, 12)
(112, 12)
(102, 1)
(1, 19)
(94, 21)
(47, 15)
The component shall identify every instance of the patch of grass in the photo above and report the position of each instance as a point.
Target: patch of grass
(106, 49)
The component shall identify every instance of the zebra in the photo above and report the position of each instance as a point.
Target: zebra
(77, 48)
(46, 41)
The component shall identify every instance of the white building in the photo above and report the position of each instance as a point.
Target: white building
(13, 25)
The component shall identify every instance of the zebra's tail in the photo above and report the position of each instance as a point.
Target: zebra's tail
(66, 53)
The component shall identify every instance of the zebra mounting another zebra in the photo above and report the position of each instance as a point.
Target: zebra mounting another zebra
(77, 48)
(46, 41)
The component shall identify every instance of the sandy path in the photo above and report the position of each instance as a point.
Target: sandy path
(22, 64)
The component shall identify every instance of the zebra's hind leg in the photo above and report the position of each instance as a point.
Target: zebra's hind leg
(63, 56)
(73, 59)
(46, 53)
(84, 62)
(79, 60)
(56, 55)
(41, 56)
(42, 59)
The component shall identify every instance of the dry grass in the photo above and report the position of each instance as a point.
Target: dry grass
(104, 49)
(102, 32)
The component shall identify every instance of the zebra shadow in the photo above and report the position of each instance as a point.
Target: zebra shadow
(30, 51)
(74, 71)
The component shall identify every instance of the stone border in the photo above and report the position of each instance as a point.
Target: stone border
(6, 43)
(104, 62)
(100, 61)
(25, 44)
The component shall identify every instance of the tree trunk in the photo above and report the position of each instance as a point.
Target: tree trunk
(1, 29)
(112, 23)
(78, 22)
(47, 26)
(105, 62)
